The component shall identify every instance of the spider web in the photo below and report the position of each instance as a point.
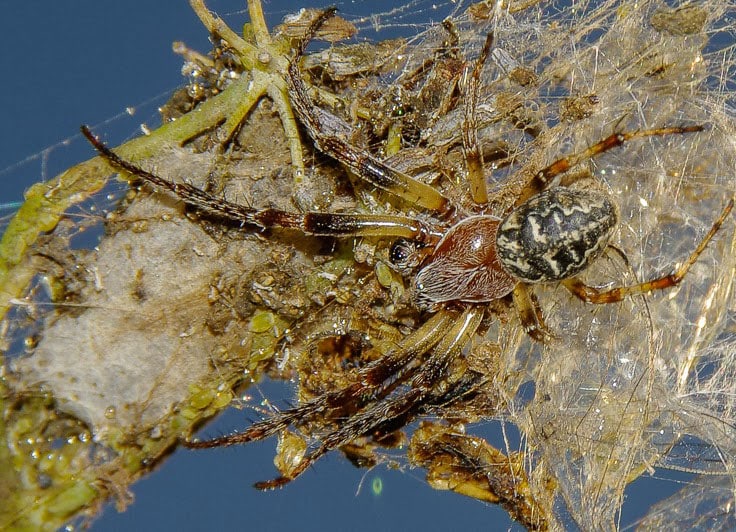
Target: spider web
(628, 387)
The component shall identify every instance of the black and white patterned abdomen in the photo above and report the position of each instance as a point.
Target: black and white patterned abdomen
(556, 234)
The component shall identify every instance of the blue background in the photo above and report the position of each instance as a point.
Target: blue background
(67, 63)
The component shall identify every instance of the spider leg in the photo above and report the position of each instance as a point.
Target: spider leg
(362, 163)
(371, 382)
(473, 157)
(530, 314)
(594, 295)
(419, 388)
(311, 223)
(544, 177)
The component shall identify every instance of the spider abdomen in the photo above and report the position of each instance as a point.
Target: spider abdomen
(556, 234)
(464, 266)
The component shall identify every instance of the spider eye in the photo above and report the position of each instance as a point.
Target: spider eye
(400, 251)
(403, 254)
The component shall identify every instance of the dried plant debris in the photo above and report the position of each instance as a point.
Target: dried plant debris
(334, 30)
(685, 20)
(470, 466)
(152, 332)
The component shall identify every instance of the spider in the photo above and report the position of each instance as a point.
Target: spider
(458, 264)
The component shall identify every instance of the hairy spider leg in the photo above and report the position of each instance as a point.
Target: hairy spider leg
(419, 389)
(473, 157)
(311, 223)
(594, 295)
(544, 177)
(371, 383)
(362, 163)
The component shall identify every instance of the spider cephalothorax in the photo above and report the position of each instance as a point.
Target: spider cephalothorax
(458, 264)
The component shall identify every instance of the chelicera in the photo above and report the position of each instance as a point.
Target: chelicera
(458, 263)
